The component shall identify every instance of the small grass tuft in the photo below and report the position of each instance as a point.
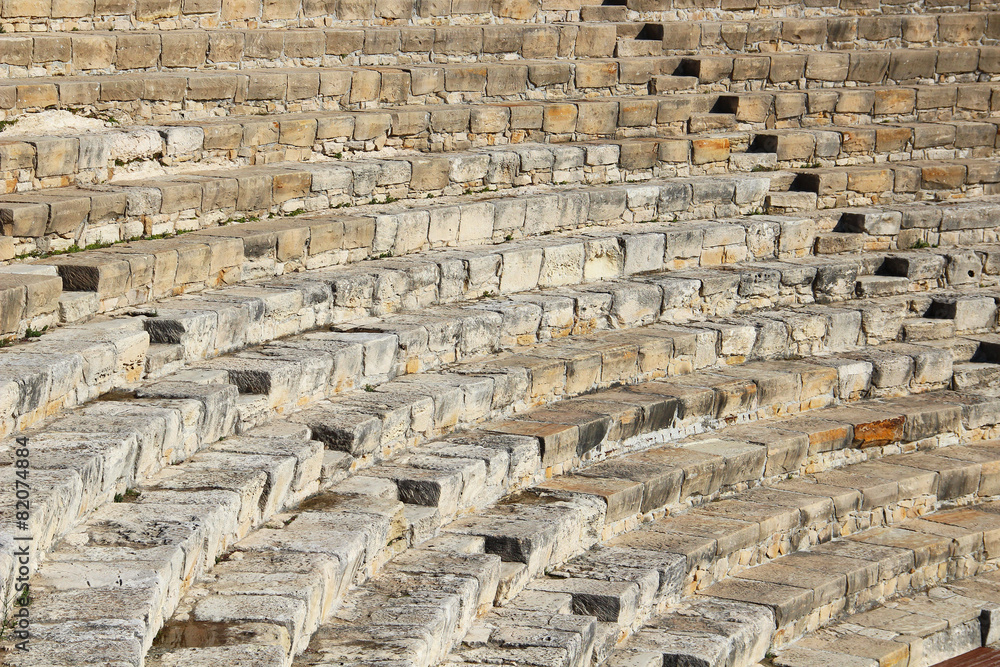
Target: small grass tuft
(130, 495)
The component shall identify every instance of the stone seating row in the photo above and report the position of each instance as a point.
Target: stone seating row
(351, 87)
(941, 623)
(103, 14)
(98, 52)
(531, 535)
(277, 375)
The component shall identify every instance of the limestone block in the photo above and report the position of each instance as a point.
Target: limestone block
(184, 49)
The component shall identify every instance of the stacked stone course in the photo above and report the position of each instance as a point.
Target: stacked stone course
(512, 332)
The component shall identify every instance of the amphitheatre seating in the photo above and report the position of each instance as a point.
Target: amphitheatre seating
(515, 332)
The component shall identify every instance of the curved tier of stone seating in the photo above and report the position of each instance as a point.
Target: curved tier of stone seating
(189, 328)
(657, 333)
(212, 198)
(332, 435)
(63, 216)
(532, 533)
(291, 89)
(36, 164)
(255, 374)
(940, 623)
(107, 52)
(21, 16)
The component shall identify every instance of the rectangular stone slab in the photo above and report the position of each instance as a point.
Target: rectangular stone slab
(813, 509)
(771, 518)
(859, 574)
(845, 499)
(927, 549)
(956, 478)
(696, 550)
(622, 497)
(729, 534)
(891, 560)
(661, 484)
(875, 491)
(789, 603)
(826, 586)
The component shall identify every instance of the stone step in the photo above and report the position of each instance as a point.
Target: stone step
(102, 51)
(121, 275)
(921, 224)
(58, 219)
(296, 14)
(636, 10)
(107, 52)
(941, 623)
(846, 106)
(814, 69)
(345, 87)
(809, 33)
(41, 168)
(872, 185)
(785, 572)
(571, 305)
(215, 256)
(903, 141)
(292, 89)
(40, 163)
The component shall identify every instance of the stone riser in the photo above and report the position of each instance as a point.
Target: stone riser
(87, 16)
(49, 54)
(960, 617)
(35, 164)
(58, 218)
(291, 90)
